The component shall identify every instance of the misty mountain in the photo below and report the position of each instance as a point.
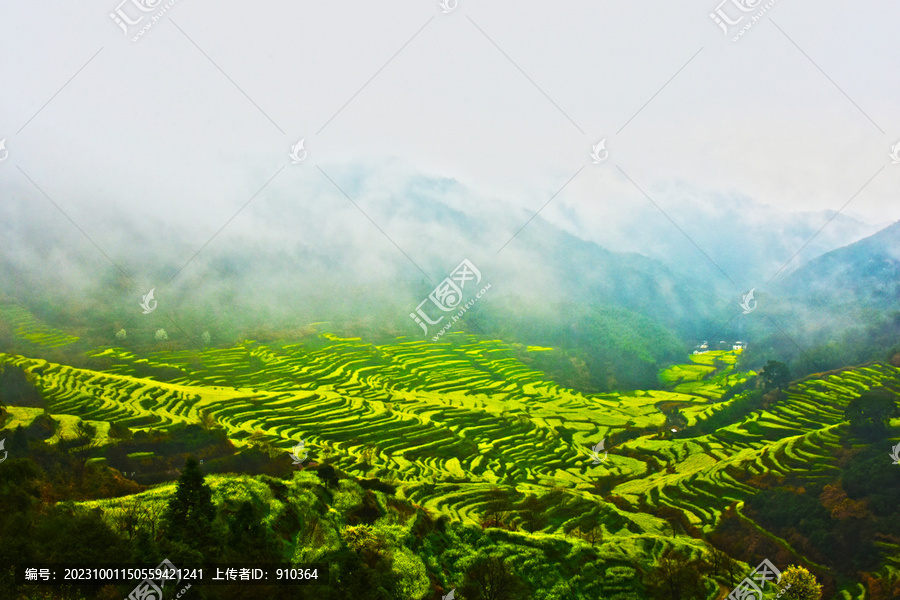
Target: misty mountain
(839, 308)
(865, 274)
(296, 257)
(365, 245)
(750, 241)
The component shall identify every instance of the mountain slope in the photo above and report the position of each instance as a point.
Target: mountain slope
(865, 274)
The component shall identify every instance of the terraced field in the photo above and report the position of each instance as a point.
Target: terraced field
(450, 421)
(794, 439)
(463, 415)
(25, 327)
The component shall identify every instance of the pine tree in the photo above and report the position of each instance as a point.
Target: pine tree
(190, 512)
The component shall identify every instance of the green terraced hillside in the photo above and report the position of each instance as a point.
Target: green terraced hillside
(449, 422)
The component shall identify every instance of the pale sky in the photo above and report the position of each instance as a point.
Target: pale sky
(187, 124)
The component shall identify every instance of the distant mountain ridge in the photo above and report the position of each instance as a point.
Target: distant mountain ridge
(865, 274)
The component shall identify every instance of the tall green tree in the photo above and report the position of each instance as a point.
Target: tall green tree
(190, 512)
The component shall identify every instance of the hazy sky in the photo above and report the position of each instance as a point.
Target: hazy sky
(188, 123)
